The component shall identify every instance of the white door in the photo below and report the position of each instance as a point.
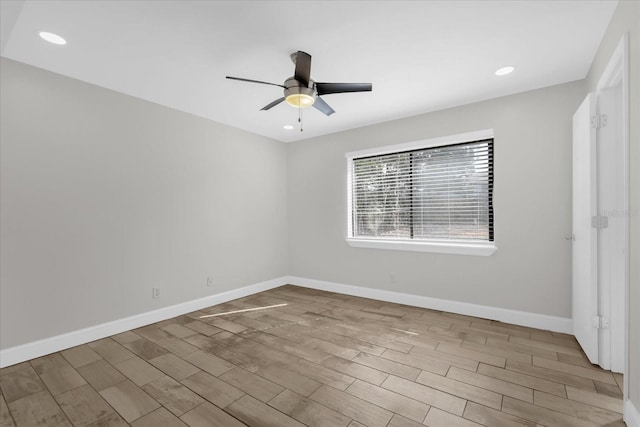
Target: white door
(585, 245)
(611, 239)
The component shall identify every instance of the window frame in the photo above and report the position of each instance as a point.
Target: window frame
(446, 246)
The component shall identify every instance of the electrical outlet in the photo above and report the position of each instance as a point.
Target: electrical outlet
(210, 281)
(155, 293)
(392, 278)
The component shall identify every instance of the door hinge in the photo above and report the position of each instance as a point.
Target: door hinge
(600, 322)
(599, 222)
(571, 237)
(598, 121)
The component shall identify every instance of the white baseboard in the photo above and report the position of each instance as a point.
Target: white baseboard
(631, 414)
(522, 318)
(17, 354)
(20, 353)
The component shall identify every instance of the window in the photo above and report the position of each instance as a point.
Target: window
(434, 196)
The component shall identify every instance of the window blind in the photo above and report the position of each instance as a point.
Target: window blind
(439, 193)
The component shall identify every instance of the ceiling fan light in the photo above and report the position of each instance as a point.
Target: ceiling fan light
(300, 100)
(298, 96)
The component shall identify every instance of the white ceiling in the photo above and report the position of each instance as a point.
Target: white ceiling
(420, 55)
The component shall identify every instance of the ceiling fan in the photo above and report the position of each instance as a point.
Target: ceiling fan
(302, 92)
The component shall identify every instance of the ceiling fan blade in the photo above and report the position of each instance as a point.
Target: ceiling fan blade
(303, 68)
(327, 88)
(273, 104)
(254, 81)
(323, 106)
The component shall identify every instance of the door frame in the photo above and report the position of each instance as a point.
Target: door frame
(617, 73)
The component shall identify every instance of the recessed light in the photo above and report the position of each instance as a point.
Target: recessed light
(504, 71)
(52, 38)
(287, 127)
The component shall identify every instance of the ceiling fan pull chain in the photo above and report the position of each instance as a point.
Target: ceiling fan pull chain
(300, 118)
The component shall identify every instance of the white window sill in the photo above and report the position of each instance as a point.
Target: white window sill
(459, 248)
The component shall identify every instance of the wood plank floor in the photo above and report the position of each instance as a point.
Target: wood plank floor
(318, 359)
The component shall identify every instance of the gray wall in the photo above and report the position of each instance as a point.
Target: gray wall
(105, 196)
(626, 19)
(531, 270)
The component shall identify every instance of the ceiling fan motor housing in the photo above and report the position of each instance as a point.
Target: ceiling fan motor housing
(298, 95)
